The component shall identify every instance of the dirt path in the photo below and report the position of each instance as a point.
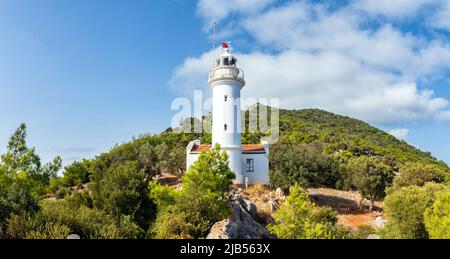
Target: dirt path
(346, 204)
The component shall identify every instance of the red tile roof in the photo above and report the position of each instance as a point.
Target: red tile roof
(253, 148)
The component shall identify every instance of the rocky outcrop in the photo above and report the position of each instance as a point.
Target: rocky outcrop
(242, 223)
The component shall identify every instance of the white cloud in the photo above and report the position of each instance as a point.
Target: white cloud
(327, 80)
(438, 15)
(401, 134)
(394, 8)
(443, 115)
(216, 10)
(441, 19)
(316, 58)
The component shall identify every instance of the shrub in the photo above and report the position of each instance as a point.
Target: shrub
(303, 164)
(419, 174)
(298, 218)
(364, 232)
(437, 217)
(56, 217)
(405, 209)
(16, 199)
(62, 193)
(190, 212)
(76, 173)
(26, 227)
(122, 190)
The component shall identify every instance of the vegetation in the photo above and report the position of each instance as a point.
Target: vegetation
(437, 217)
(298, 218)
(405, 210)
(58, 219)
(114, 196)
(22, 178)
(303, 164)
(369, 176)
(418, 174)
(190, 212)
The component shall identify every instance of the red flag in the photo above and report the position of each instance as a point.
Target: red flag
(225, 45)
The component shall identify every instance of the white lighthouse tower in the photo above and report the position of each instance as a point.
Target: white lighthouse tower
(226, 81)
(249, 162)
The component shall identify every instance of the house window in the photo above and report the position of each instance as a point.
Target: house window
(226, 98)
(250, 165)
(225, 126)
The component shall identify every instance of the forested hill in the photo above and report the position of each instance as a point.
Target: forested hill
(315, 148)
(341, 133)
(314, 131)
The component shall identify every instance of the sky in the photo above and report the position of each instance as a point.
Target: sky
(88, 74)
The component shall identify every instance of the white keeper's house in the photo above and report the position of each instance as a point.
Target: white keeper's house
(250, 163)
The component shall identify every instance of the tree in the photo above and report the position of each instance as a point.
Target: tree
(190, 212)
(437, 217)
(22, 178)
(121, 191)
(298, 218)
(76, 173)
(303, 164)
(22, 164)
(419, 174)
(370, 176)
(16, 199)
(405, 209)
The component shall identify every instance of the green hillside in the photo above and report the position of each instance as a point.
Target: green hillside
(319, 132)
(111, 199)
(341, 133)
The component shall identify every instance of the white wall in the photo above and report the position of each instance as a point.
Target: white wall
(261, 173)
(191, 159)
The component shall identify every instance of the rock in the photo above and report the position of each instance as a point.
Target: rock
(225, 229)
(73, 236)
(241, 224)
(273, 206)
(380, 222)
(373, 236)
(279, 194)
(248, 206)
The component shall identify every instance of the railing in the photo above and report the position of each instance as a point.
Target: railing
(226, 72)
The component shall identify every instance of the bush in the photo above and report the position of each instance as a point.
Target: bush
(57, 219)
(26, 227)
(76, 173)
(419, 174)
(364, 232)
(437, 217)
(190, 212)
(302, 164)
(298, 218)
(16, 199)
(62, 193)
(80, 198)
(122, 191)
(405, 209)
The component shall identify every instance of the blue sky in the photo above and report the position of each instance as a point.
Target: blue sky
(85, 75)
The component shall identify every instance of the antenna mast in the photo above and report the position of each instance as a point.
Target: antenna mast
(214, 42)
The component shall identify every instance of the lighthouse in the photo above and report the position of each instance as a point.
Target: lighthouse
(249, 163)
(226, 81)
